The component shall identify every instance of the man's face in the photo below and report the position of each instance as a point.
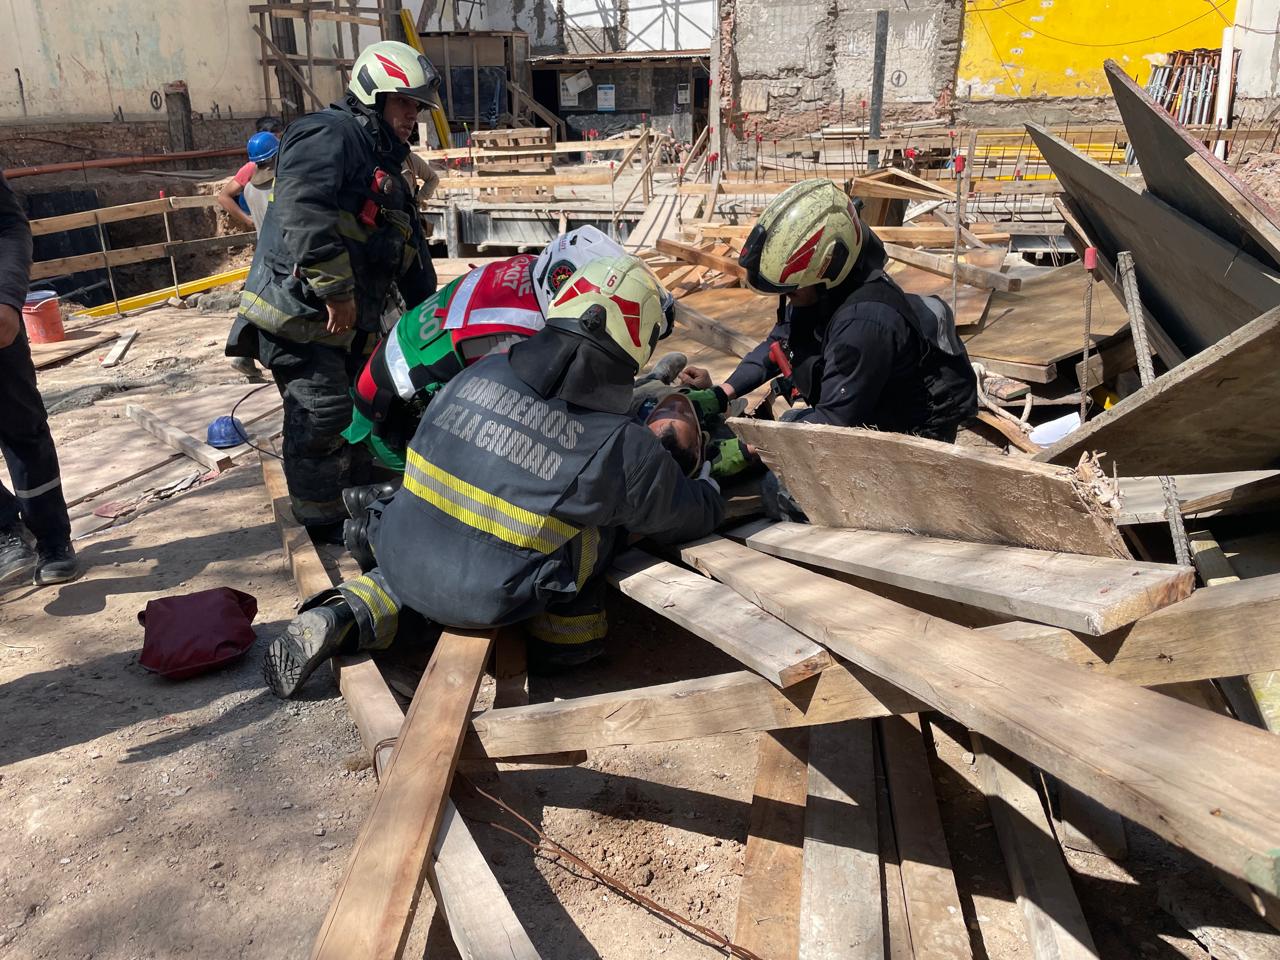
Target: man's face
(401, 114)
(805, 296)
(675, 418)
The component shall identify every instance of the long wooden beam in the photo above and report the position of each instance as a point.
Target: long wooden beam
(1094, 595)
(729, 266)
(1217, 632)
(1203, 781)
(943, 267)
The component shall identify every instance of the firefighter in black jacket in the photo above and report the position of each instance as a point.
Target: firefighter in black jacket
(35, 510)
(863, 353)
(520, 485)
(340, 230)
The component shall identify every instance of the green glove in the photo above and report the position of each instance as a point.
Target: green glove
(729, 458)
(710, 403)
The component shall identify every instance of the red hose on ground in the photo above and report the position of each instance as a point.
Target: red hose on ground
(13, 173)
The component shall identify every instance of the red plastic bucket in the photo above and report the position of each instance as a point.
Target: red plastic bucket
(42, 317)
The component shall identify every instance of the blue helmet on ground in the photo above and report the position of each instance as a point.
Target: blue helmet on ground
(263, 146)
(225, 432)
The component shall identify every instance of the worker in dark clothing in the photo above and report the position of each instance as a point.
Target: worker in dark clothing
(521, 482)
(340, 230)
(35, 510)
(862, 352)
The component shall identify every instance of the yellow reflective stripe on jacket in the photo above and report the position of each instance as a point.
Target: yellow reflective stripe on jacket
(551, 628)
(351, 228)
(374, 597)
(483, 511)
(330, 273)
(261, 312)
(590, 553)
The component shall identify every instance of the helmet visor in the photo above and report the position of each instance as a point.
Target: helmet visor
(749, 258)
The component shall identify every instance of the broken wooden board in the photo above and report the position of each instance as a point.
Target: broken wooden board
(1219, 631)
(119, 349)
(768, 921)
(1043, 322)
(938, 930)
(1162, 147)
(840, 895)
(964, 271)
(727, 265)
(1216, 412)
(76, 342)
(1142, 498)
(744, 314)
(971, 302)
(1054, 922)
(1234, 936)
(1198, 286)
(1093, 595)
(197, 450)
(717, 614)
(373, 909)
(1202, 781)
(846, 477)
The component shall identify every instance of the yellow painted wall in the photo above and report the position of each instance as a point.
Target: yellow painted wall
(1055, 48)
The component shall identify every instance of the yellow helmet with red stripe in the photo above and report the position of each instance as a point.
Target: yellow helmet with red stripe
(810, 234)
(615, 301)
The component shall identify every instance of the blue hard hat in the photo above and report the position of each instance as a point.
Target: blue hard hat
(263, 146)
(225, 432)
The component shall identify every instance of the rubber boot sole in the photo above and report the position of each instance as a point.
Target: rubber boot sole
(310, 639)
(18, 570)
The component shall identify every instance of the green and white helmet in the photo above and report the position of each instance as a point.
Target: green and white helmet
(390, 66)
(810, 234)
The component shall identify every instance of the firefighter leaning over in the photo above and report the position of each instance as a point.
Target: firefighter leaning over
(520, 485)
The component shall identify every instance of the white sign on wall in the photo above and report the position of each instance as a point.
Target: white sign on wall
(605, 98)
(682, 93)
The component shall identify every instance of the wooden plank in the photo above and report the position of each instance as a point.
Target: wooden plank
(1054, 923)
(1197, 285)
(1229, 937)
(721, 617)
(729, 266)
(768, 921)
(121, 347)
(1143, 497)
(179, 440)
(713, 332)
(1251, 215)
(1216, 412)
(1043, 323)
(840, 893)
(480, 919)
(503, 181)
(1164, 148)
(897, 930)
(943, 267)
(123, 211)
(127, 255)
(1093, 595)
(844, 477)
(373, 910)
(1222, 631)
(938, 930)
(1203, 781)
(1109, 360)
(76, 342)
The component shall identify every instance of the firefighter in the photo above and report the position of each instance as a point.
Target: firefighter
(520, 484)
(340, 231)
(862, 352)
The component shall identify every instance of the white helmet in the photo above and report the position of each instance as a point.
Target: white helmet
(390, 66)
(570, 252)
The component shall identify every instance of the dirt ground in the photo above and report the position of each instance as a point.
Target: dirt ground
(141, 818)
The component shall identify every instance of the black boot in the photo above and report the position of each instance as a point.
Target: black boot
(56, 563)
(17, 556)
(310, 639)
(355, 537)
(548, 659)
(359, 499)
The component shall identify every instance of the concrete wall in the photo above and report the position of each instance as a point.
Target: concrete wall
(785, 63)
(1055, 48)
(78, 61)
(1258, 79)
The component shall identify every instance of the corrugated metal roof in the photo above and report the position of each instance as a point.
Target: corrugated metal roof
(620, 55)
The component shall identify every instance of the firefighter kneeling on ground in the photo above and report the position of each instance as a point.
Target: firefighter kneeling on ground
(340, 231)
(862, 353)
(521, 483)
(483, 312)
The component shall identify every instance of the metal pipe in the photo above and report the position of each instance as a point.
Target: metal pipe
(877, 84)
(13, 173)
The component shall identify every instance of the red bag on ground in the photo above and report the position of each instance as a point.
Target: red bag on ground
(192, 634)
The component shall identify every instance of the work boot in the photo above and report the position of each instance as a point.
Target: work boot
(666, 368)
(547, 659)
(355, 537)
(17, 556)
(330, 533)
(56, 563)
(246, 367)
(359, 499)
(310, 639)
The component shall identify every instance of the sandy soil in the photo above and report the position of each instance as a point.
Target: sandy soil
(141, 818)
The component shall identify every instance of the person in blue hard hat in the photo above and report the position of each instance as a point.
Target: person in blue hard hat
(245, 196)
